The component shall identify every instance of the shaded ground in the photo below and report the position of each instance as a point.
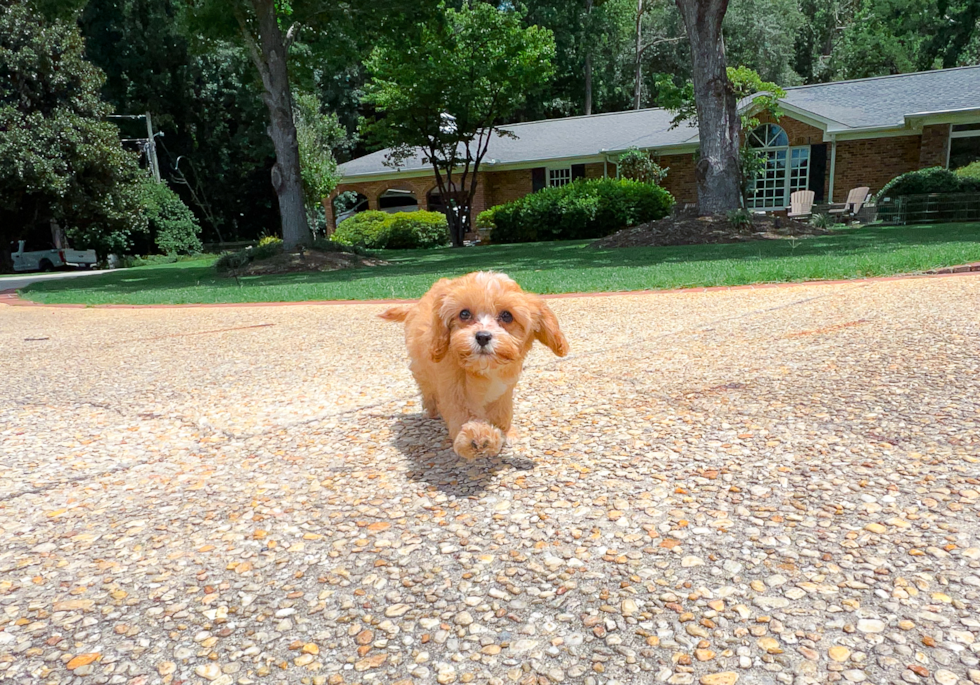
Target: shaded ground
(682, 229)
(779, 484)
(309, 260)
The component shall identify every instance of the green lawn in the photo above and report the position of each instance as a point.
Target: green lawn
(547, 268)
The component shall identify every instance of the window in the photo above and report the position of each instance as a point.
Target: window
(787, 169)
(560, 177)
(964, 145)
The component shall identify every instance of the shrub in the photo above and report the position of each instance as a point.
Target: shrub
(927, 181)
(269, 246)
(638, 165)
(364, 229)
(740, 219)
(377, 230)
(582, 209)
(822, 220)
(970, 171)
(173, 229)
(417, 230)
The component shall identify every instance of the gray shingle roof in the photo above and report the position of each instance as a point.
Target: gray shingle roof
(881, 102)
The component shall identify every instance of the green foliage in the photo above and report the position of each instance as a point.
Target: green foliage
(604, 33)
(268, 246)
(745, 83)
(171, 227)
(269, 240)
(477, 65)
(319, 136)
(364, 228)
(378, 230)
(582, 209)
(899, 36)
(740, 219)
(639, 165)
(761, 35)
(926, 181)
(417, 230)
(202, 95)
(971, 171)
(59, 159)
(823, 220)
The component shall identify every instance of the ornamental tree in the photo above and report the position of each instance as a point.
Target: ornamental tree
(448, 92)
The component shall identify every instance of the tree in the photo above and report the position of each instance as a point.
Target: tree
(215, 152)
(717, 168)
(592, 62)
(318, 136)
(639, 165)
(644, 43)
(59, 159)
(448, 93)
(761, 35)
(744, 84)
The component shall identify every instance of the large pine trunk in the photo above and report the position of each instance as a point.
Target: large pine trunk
(286, 178)
(717, 168)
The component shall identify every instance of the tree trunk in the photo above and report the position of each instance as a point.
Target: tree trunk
(638, 82)
(588, 60)
(717, 169)
(275, 77)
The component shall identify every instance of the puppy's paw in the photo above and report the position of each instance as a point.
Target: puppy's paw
(478, 439)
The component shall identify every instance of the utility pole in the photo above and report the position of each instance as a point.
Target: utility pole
(152, 149)
(149, 144)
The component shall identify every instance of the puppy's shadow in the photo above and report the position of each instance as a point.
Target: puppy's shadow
(425, 444)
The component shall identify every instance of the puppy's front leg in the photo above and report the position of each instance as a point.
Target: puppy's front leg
(478, 439)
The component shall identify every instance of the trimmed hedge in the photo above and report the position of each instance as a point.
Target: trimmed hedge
(930, 181)
(582, 209)
(378, 230)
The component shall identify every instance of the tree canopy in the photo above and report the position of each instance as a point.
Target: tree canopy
(60, 160)
(448, 93)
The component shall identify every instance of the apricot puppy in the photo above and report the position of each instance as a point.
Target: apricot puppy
(467, 339)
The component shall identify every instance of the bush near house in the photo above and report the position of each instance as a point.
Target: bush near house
(378, 230)
(582, 209)
(970, 171)
(930, 181)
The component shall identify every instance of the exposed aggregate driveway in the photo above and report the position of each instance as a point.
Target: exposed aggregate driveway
(777, 485)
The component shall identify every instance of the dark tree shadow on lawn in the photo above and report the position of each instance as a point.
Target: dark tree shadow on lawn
(431, 460)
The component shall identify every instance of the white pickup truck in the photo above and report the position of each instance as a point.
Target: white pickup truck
(27, 256)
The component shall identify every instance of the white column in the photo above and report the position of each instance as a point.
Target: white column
(833, 167)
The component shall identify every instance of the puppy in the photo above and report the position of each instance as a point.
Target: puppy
(467, 339)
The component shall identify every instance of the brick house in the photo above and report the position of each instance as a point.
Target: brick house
(832, 137)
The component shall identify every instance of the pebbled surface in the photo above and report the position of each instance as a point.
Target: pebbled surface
(765, 486)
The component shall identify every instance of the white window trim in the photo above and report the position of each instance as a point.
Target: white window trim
(557, 167)
(959, 134)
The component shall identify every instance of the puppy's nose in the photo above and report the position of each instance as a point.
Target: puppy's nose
(483, 338)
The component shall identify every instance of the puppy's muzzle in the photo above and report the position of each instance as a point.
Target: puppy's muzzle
(483, 338)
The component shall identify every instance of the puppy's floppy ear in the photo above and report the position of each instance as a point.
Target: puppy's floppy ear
(547, 332)
(438, 330)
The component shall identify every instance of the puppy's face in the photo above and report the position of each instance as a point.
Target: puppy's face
(484, 320)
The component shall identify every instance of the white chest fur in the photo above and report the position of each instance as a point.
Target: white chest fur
(495, 389)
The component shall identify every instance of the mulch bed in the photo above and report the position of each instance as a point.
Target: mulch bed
(311, 260)
(686, 229)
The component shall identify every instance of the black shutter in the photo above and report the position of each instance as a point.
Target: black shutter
(538, 180)
(818, 169)
(578, 171)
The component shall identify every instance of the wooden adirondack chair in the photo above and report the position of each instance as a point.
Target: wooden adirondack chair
(800, 204)
(855, 200)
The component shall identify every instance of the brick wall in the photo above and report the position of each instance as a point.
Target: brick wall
(680, 180)
(935, 142)
(873, 162)
(507, 186)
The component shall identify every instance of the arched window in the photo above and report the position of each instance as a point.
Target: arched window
(786, 168)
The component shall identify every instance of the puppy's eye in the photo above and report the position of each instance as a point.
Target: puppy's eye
(465, 315)
(506, 317)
